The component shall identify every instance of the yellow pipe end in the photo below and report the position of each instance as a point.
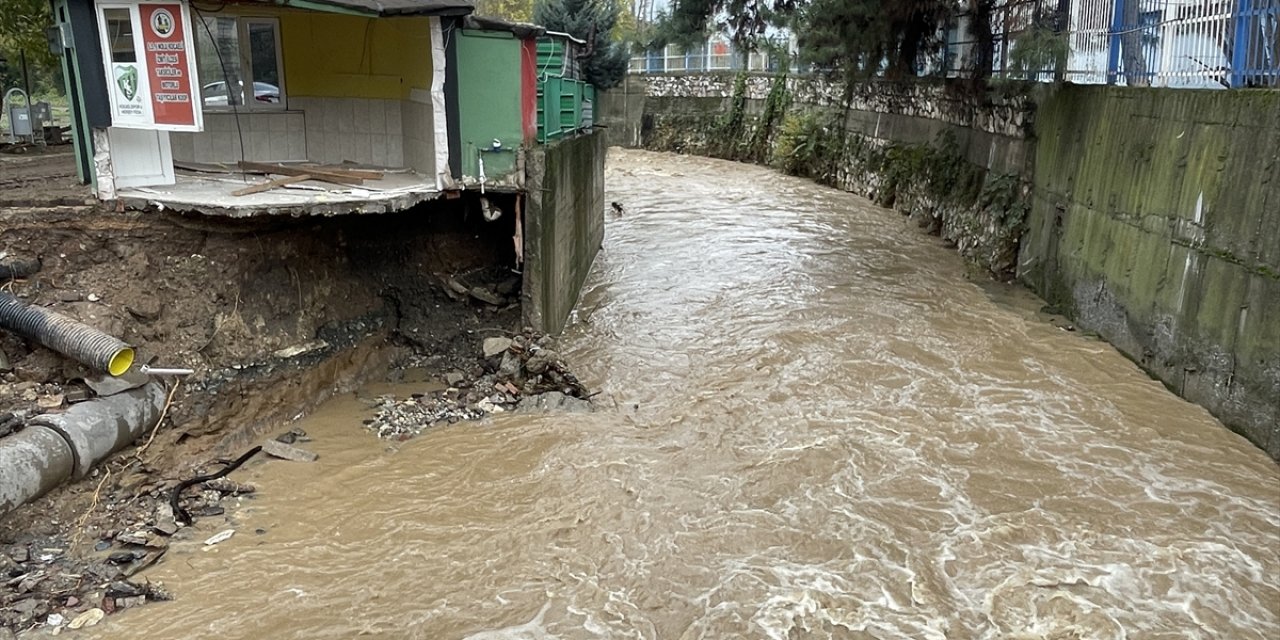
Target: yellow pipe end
(121, 362)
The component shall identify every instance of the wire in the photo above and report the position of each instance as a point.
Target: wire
(226, 79)
(365, 48)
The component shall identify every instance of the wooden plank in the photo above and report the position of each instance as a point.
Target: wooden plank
(364, 174)
(316, 174)
(272, 184)
(204, 167)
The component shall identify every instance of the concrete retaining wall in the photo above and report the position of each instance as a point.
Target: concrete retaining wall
(563, 226)
(1156, 223)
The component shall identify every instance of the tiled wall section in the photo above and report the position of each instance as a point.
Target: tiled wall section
(268, 137)
(387, 133)
(419, 137)
(361, 130)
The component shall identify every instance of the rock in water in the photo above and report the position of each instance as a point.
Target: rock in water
(87, 619)
(288, 452)
(220, 537)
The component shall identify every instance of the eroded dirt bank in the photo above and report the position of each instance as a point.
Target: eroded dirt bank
(275, 316)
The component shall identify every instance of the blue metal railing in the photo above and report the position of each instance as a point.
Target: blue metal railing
(1164, 43)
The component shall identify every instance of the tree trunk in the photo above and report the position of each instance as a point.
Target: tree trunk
(984, 48)
(1062, 28)
(1135, 63)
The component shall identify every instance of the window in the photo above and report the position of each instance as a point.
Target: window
(239, 62)
(120, 34)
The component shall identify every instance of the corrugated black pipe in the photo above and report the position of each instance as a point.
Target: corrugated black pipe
(66, 336)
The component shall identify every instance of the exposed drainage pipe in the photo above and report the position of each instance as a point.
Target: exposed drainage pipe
(78, 341)
(58, 447)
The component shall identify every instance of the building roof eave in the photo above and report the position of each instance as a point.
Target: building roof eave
(385, 8)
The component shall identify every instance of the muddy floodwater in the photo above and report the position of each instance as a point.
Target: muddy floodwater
(813, 424)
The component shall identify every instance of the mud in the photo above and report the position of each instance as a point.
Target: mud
(275, 316)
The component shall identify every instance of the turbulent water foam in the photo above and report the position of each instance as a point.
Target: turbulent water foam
(815, 426)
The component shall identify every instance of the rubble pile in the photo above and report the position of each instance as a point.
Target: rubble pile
(522, 372)
(58, 581)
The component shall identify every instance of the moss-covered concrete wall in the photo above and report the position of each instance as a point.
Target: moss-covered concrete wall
(1156, 223)
(563, 226)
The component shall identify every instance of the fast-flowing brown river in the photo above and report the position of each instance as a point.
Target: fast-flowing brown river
(813, 425)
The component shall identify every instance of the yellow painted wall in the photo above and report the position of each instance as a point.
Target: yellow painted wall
(341, 56)
(328, 55)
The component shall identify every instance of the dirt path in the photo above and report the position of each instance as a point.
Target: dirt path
(41, 177)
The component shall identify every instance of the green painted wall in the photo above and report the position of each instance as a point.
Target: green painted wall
(488, 101)
(1156, 223)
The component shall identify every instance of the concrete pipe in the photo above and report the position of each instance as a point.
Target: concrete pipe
(104, 426)
(32, 462)
(58, 447)
(66, 336)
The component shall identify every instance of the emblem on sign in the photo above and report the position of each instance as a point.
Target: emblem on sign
(127, 80)
(162, 23)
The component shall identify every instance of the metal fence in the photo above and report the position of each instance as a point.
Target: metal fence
(1164, 43)
(716, 54)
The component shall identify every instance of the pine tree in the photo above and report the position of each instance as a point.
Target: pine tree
(593, 21)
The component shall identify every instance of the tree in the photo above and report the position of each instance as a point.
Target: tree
(983, 52)
(849, 37)
(22, 32)
(23, 29)
(605, 61)
(513, 10)
(860, 38)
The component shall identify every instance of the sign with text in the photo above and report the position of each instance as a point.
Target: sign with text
(150, 57)
(168, 59)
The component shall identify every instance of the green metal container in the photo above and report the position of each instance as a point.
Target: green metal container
(489, 102)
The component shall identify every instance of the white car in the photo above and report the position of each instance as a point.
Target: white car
(215, 93)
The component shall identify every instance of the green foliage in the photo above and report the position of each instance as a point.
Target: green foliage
(514, 10)
(691, 21)
(860, 38)
(775, 108)
(22, 30)
(854, 38)
(809, 145)
(593, 21)
(1038, 50)
(729, 130)
(938, 171)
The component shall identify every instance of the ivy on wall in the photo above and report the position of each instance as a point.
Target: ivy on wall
(983, 213)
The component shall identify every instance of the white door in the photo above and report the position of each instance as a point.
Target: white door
(140, 158)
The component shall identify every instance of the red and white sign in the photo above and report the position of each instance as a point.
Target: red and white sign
(154, 88)
(168, 56)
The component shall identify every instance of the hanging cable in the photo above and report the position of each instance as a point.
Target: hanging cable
(226, 80)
